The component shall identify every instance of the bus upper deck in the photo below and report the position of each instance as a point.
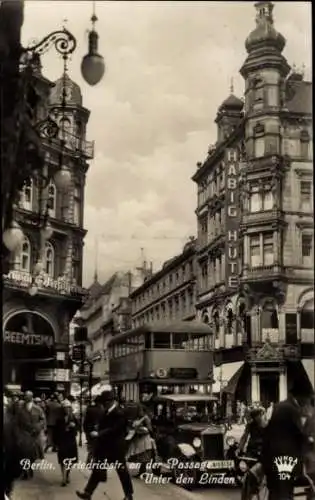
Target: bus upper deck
(159, 358)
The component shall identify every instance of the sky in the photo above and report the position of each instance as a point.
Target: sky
(169, 66)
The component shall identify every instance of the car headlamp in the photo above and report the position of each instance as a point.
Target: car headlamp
(196, 442)
(230, 441)
(243, 466)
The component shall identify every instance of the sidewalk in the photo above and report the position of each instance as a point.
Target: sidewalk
(46, 485)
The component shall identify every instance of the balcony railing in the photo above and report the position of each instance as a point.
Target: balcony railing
(76, 145)
(261, 217)
(262, 273)
(273, 353)
(44, 283)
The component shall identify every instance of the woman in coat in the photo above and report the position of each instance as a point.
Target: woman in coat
(142, 446)
(66, 432)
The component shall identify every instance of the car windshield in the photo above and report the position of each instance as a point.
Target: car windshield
(192, 411)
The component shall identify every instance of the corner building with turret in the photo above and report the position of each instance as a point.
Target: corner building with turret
(255, 247)
(39, 304)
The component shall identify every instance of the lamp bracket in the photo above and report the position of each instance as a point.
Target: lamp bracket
(64, 42)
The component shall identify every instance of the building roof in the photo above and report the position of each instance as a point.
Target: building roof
(299, 97)
(232, 102)
(189, 249)
(73, 91)
(264, 35)
(96, 290)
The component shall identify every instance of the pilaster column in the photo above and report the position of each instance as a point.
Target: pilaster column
(222, 331)
(298, 324)
(255, 393)
(246, 250)
(281, 326)
(276, 247)
(283, 385)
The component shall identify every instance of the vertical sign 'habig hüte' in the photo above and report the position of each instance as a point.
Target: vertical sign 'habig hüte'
(232, 219)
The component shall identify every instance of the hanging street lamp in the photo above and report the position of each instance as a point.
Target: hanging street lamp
(22, 154)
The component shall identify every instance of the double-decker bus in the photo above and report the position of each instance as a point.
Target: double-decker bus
(156, 359)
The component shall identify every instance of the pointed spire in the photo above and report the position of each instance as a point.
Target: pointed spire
(96, 261)
(264, 12)
(232, 85)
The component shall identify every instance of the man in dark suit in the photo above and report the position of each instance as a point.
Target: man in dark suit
(284, 444)
(110, 446)
(91, 421)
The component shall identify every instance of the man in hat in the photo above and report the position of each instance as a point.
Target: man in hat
(110, 446)
(284, 443)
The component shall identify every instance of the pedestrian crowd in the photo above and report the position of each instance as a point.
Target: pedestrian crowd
(33, 426)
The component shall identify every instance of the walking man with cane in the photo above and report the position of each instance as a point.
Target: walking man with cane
(110, 446)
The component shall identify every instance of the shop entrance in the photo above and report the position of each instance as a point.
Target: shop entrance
(28, 352)
(269, 388)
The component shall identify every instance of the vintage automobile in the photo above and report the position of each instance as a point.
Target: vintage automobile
(190, 447)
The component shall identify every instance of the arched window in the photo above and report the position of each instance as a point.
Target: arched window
(25, 256)
(49, 259)
(26, 200)
(65, 124)
(52, 192)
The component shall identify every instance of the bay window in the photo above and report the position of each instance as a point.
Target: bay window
(255, 260)
(261, 250)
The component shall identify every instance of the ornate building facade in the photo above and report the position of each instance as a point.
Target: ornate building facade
(169, 294)
(42, 289)
(255, 227)
(105, 313)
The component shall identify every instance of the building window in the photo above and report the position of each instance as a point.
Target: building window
(49, 259)
(268, 253)
(76, 271)
(306, 196)
(269, 317)
(307, 318)
(261, 250)
(77, 206)
(304, 144)
(255, 201)
(255, 260)
(26, 200)
(307, 250)
(52, 199)
(25, 256)
(259, 147)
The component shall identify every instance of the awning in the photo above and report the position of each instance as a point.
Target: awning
(223, 374)
(231, 387)
(301, 372)
(97, 389)
(309, 367)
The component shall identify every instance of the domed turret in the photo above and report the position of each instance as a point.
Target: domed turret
(264, 34)
(72, 91)
(231, 103)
